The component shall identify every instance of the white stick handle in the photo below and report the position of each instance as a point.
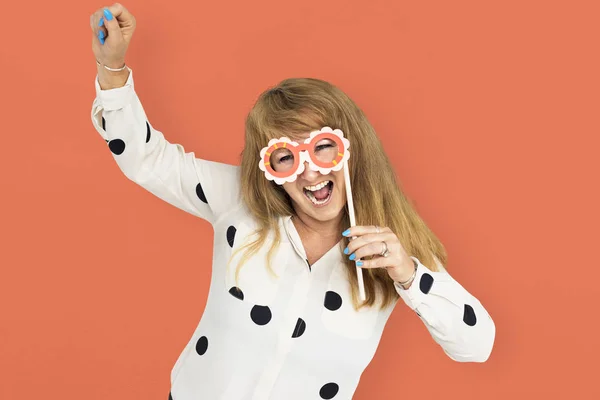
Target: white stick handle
(359, 272)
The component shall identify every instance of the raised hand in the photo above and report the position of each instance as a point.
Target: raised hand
(386, 248)
(112, 30)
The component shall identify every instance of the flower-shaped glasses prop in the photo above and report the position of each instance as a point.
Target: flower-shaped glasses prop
(325, 150)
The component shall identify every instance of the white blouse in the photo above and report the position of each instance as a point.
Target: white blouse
(295, 337)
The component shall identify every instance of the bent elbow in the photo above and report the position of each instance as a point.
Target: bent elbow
(477, 347)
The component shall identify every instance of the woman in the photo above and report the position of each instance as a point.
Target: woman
(284, 318)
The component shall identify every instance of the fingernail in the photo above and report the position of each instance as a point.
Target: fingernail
(101, 39)
(346, 251)
(101, 35)
(359, 263)
(353, 256)
(346, 232)
(108, 14)
(101, 22)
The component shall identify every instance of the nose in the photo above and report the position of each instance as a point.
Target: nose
(308, 174)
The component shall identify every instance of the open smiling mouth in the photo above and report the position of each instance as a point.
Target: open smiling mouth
(319, 194)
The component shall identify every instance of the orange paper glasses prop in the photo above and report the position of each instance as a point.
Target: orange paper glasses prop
(325, 150)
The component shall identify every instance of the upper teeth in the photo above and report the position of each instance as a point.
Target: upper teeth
(316, 187)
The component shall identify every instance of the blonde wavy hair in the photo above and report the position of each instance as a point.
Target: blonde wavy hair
(295, 107)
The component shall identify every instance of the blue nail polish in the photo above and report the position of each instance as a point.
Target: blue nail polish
(101, 40)
(346, 232)
(101, 35)
(353, 256)
(346, 250)
(359, 263)
(101, 22)
(108, 14)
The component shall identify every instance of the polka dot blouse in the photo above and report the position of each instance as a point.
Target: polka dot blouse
(292, 337)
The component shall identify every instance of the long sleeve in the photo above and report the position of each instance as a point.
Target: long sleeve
(203, 188)
(456, 320)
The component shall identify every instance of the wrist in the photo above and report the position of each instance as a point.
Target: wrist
(116, 64)
(406, 281)
(111, 79)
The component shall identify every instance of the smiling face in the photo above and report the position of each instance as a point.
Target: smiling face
(319, 196)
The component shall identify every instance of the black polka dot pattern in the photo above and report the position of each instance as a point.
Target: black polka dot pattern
(299, 329)
(231, 235)
(200, 193)
(237, 292)
(170, 397)
(104, 128)
(469, 317)
(117, 146)
(333, 301)
(425, 283)
(329, 390)
(202, 345)
(261, 315)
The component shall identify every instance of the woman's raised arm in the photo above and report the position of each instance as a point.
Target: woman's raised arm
(201, 187)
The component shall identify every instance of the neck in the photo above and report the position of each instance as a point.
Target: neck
(307, 225)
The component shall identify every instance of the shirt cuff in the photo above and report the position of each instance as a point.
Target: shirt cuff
(117, 98)
(417, 293)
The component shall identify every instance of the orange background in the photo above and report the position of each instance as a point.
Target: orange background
(488, 111)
